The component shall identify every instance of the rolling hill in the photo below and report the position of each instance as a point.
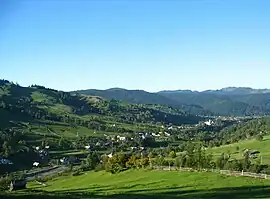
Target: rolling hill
(231, 101)
(143, 97)
(39, 103)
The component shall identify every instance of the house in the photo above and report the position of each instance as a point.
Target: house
(122, 138)
(110, 155)
(36, 164)
(209, 122)
(18, 185)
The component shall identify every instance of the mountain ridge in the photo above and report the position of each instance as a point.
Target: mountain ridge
(235, 101)
(229, 89)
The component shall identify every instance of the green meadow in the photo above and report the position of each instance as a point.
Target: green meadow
(146, 184)
(236, 149)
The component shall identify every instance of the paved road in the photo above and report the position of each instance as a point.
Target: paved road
(44, 172)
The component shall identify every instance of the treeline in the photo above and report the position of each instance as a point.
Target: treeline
(194, 157)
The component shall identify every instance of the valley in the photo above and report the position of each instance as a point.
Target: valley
(49, 135)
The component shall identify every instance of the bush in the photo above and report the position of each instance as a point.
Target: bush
(4, 183)
(117, 163)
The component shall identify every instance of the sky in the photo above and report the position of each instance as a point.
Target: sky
(134, 44)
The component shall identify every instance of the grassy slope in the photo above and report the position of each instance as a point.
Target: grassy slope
(262, 146)
(38, 128)
(148, 184)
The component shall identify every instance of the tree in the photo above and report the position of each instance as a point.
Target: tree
(160, 161)
(246, 162)
(92, 161)
(172, 154)
(131, 163)
(144, 162)
(222, 161)
(116, 163)
(6, 149)
(180, 161)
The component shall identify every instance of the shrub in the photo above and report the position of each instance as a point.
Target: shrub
(4, 183)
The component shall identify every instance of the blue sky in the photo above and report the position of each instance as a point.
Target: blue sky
(151, 45)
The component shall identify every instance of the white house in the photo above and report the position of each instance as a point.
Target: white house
(122, 138)
(36, 164)
(209, 122)
(110, 155)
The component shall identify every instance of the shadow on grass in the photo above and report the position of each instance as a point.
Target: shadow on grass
(247, 192)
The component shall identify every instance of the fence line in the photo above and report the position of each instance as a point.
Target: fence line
(225, 172)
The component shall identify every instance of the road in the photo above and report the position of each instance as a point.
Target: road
(45, 172)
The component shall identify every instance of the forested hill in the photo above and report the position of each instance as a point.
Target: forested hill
(47, 104)
(143, 97)
(230, 101)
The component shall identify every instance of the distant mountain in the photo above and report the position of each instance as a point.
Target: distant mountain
(237, 101)
(143, 97)
(130, 96)
(178, 91)
(226, 101)
(239, 91)
(224, 91)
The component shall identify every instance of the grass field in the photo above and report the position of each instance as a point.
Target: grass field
(262, 146)
(147, 185)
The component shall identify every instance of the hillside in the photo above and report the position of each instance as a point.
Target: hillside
(226, 101)
(143, 97)
(238, 91)
(145, 184)
(48, 104)
(237, 149)
(222, 104)
(229, 101)
(36, 116)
